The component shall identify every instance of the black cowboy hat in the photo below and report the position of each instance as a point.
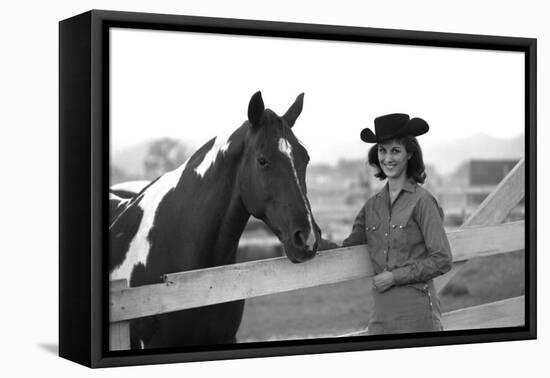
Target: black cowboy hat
(395, 125)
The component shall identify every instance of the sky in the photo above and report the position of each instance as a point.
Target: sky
(193, 86)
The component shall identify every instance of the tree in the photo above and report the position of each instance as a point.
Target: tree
(118, 175)
(164, 155)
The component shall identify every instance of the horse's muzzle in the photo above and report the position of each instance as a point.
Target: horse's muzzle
(301, 257)
(303, 240)
(303, 246)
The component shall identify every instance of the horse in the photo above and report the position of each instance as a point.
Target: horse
(128, 189)
(120, 194)
(193, 217)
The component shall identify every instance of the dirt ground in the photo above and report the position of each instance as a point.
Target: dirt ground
(342, 308)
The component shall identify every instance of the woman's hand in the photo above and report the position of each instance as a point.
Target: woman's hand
(325, 244)
(383, 281)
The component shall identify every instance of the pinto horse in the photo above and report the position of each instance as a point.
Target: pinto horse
(193, 217)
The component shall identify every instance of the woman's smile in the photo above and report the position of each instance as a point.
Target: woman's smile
(389, 167)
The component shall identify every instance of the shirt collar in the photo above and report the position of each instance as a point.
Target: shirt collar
(409, 186)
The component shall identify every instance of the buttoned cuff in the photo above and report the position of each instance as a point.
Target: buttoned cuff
(401, 276)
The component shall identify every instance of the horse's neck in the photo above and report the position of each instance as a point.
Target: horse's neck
(218, 224)
(230, 228)
(227, 210)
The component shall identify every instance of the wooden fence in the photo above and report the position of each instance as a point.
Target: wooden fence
(482, 234)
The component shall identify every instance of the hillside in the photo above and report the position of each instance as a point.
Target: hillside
(446, 157)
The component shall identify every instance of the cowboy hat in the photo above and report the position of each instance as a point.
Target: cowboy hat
(395, 125)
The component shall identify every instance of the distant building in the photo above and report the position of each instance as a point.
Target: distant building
(471, 183)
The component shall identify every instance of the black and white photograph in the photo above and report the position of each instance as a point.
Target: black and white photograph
(268, 189)
(275, 189)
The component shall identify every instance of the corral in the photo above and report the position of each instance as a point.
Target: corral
(482, 234)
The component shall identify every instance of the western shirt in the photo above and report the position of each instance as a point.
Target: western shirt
(406, 237)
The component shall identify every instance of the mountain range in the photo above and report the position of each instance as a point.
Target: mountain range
(445, 157)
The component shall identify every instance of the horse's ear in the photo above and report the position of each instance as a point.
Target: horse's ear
(294, 111)
(256, 109)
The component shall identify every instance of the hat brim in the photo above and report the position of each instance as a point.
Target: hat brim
(414, 127)
(368, 136)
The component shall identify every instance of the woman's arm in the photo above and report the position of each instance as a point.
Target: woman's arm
(439, 260)
(357, 235)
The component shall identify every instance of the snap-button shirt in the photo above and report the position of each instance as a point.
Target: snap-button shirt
(406, 237)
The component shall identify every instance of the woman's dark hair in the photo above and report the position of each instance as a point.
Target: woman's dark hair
(415, 166)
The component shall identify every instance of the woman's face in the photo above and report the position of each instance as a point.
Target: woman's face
(393, 158)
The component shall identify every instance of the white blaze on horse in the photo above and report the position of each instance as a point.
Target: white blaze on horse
(193, 217)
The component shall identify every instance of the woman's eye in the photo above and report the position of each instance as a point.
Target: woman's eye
(263, 162)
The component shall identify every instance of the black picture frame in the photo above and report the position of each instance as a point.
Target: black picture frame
(84, 167)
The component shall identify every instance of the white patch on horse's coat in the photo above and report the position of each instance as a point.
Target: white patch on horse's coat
(121, 202)
(221, 144)
(141, 344)
(139, 247)
(113, 196)
(286, 148)
(134, 186)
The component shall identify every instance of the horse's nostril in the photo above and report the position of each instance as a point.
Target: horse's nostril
(300, 239)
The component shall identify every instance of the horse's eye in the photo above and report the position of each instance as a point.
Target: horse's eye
(263, 161)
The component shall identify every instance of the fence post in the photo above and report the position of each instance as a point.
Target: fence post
(119, 332)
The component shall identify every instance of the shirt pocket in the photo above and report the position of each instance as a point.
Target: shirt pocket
(375, 241)
(399, 230)
(406, 235)
(372, 233)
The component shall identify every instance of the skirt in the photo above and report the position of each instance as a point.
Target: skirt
(406, 308)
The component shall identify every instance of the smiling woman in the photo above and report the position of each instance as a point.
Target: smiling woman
(403, 227)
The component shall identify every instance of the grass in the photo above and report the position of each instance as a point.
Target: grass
(484, 280)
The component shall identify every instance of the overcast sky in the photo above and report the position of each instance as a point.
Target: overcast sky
(195, 86)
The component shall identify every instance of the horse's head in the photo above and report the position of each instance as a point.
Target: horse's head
(273, 178)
